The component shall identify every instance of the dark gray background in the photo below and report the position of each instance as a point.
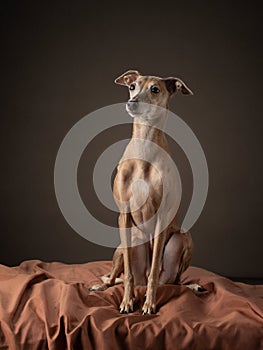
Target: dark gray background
(58, 63)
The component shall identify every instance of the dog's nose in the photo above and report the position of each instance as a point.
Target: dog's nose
(132, 104)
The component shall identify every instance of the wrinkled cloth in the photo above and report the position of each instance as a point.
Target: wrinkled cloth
(49, 306)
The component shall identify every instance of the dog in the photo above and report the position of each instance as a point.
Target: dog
(152, 251)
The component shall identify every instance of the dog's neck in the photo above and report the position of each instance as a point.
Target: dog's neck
(151, 130)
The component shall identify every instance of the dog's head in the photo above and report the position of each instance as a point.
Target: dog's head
(147, 93)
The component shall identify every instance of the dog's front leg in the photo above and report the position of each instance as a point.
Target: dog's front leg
(149, 306)
(125, 234)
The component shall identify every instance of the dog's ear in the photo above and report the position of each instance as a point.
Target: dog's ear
(127, 78)
(174, 84)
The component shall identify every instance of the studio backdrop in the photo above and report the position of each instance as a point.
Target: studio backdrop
(58, 64)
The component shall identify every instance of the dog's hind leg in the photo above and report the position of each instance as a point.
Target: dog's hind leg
(176, 258)
(111, 278)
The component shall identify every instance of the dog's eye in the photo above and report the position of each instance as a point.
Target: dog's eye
(132, 87)
(155, 89)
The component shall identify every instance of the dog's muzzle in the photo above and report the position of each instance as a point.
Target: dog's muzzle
(132, 105)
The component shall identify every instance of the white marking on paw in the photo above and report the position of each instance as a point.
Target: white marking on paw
(96, 287)
(106, 279)
(196, 287)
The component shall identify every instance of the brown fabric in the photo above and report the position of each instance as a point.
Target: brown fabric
(49, 306)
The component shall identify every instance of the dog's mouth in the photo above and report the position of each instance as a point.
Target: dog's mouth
(135, 112)
(144, 110)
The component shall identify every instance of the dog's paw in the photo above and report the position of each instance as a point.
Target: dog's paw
(149, 308)
(196, 287)
(106, 280)
(98, 287)
(126, 306)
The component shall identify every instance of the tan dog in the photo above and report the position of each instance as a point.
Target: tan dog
(152, 253)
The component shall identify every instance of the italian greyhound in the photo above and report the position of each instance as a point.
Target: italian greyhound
(165, 252)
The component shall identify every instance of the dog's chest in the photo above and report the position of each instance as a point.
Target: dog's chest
(138, 188)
